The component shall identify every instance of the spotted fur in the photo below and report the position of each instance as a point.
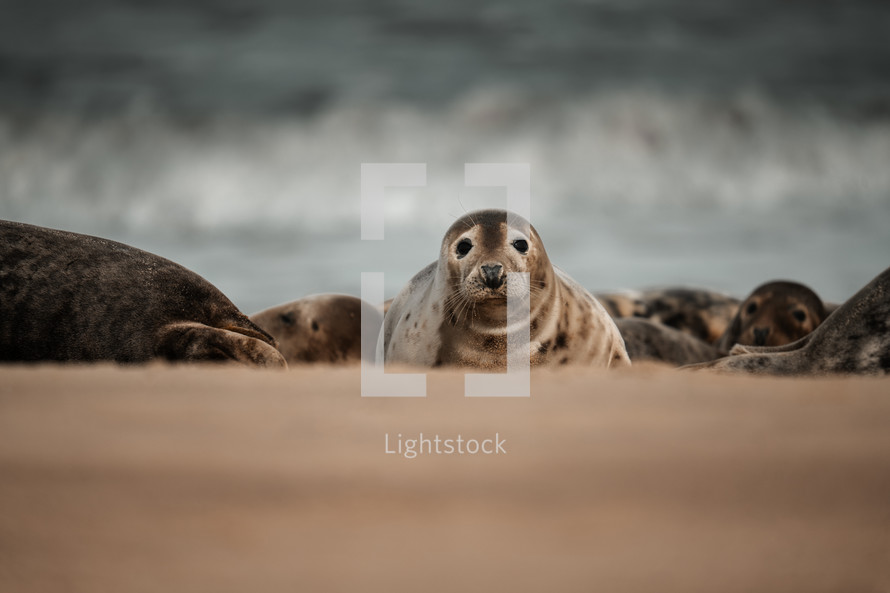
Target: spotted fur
(703, 314)
(457, 319)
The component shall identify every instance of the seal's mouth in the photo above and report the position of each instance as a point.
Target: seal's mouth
(478, 292)
(489, 295)
(495, 295)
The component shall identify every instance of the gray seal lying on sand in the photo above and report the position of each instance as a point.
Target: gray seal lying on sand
(71, 297)
(704, 314)
(320, 328)
(454, 311)
(854, 339)
(649, 340)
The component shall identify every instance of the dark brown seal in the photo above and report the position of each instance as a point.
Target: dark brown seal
(320, 328)
(648, 340)
(70, 297)
(854, 339)
(775, 314)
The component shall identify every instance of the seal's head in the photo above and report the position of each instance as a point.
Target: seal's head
(319, 328)
(482, 248)
(775, 314)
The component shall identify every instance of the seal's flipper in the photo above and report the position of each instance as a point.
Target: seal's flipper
(194, 342)
(744, 349)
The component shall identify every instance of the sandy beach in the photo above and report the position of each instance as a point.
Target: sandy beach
(678, 156)
(221, 479)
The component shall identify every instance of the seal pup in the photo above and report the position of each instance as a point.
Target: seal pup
(454, 311)
(320, 328)
(649, 340)
(854, 339)
(774, 314)
(71, 297)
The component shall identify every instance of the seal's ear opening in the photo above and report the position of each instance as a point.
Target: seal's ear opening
(731, 335)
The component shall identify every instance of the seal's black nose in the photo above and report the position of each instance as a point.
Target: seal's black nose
(760, 335)
(491, 275)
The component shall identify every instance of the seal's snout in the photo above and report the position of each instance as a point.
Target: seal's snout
(760, 335)
(491, 275)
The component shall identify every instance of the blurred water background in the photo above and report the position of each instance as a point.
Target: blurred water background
(719, 144)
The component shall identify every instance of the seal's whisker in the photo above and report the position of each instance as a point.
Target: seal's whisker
(459, 201)
(472, 220)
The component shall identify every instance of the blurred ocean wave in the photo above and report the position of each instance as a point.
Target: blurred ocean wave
(629, 189)
(594, 154)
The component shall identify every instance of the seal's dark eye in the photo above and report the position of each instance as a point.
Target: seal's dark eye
(751, 308)
(800, 315)
(521, 245)
(463, 247)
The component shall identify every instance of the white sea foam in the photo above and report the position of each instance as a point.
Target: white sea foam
(657, 181)
(600, 153)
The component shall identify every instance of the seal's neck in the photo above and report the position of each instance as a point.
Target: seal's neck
(546, 306)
